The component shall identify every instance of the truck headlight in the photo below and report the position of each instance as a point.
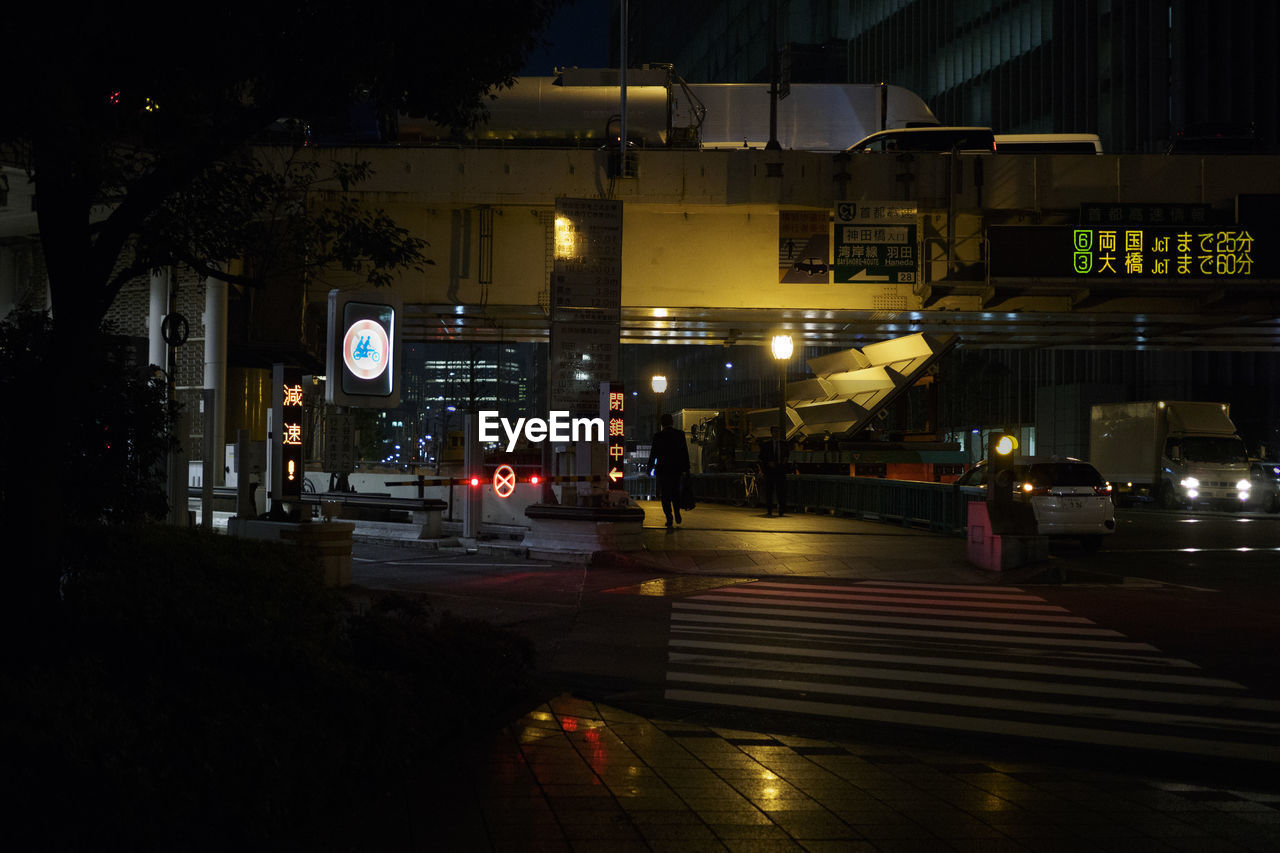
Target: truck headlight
(1190, 483)
(1243, 485)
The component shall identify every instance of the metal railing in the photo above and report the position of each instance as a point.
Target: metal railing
(936, 506)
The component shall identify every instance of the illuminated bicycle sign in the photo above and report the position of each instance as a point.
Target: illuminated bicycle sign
(365, 349)
(363, 362)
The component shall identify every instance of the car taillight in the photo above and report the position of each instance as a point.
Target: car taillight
(1103, 490)
(1033, 489)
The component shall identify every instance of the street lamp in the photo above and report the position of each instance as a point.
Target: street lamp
(659, 386)
(782, 349)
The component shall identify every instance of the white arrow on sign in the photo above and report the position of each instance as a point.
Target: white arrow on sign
(861, 275)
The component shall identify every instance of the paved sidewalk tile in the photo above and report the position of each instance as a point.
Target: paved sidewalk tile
(580, 776)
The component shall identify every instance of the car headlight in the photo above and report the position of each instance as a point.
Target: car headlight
(1243, 485)
(1190, 483)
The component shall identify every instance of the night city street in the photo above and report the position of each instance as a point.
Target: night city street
(583, 425)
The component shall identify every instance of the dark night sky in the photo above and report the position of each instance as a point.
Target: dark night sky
(579, 35)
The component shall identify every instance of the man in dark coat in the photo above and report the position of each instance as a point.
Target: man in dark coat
(669, 460)
(775, 459)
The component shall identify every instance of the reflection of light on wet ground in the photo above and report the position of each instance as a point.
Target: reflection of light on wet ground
(588, 732)
(671, 785)
(678, 585)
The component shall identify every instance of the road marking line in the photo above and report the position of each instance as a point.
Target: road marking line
(1059, 614)
(971, 663)
(990, 725)
(986, 702)
(1095, 691)
(1067, 629)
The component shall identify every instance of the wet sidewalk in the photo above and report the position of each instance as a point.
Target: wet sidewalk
(574, 775)
(716, 539)
(577, 775)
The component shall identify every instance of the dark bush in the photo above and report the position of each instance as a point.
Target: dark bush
(209, 692)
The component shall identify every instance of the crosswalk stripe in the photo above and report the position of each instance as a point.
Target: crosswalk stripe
(963, 663)
(1093, 691)
(990, 725)
(894, 606)
(1022, 603)
(993, 593)
(709, 604)
(979, 659)
(954, 646)
(898, 632)
(985, 702)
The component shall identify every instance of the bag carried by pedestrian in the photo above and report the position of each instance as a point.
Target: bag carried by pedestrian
(686, 493)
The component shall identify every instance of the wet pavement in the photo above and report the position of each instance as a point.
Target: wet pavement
(615, 764)
(576, 775)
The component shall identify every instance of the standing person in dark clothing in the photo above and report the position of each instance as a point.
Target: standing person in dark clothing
(775, 458)
(669, 460)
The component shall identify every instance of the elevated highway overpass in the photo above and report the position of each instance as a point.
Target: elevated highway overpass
(704, 232)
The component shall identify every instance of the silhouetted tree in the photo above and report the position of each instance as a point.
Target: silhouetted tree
(133, 126)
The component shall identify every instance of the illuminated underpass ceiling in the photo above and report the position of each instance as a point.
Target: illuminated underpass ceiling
(1255, 326)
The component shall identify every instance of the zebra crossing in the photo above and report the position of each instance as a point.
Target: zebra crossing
(980, 659)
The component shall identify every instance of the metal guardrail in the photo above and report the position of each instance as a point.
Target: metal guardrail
(939, 507)
(936, 506)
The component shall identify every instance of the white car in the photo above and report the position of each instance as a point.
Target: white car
(1266, 484)
(935, 140)
(1069, 497)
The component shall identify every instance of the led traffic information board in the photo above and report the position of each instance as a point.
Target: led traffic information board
(1123, 252)
(1163, 252)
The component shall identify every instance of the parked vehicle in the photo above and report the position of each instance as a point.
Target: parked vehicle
(1265, 476)
(943, 140)
(1217, 138)
(1069, 497)
(1048, 143)
(1176, 453)
(580, 107)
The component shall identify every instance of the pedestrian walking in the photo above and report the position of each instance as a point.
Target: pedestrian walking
(775, 459)
(669, 461)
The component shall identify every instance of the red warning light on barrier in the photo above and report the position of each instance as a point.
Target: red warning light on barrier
(535, 480)
(475, 481)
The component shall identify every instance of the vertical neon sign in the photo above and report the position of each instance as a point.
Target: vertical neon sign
(286, 433)
(613, 404)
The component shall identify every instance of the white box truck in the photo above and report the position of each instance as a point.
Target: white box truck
(1177, 453)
